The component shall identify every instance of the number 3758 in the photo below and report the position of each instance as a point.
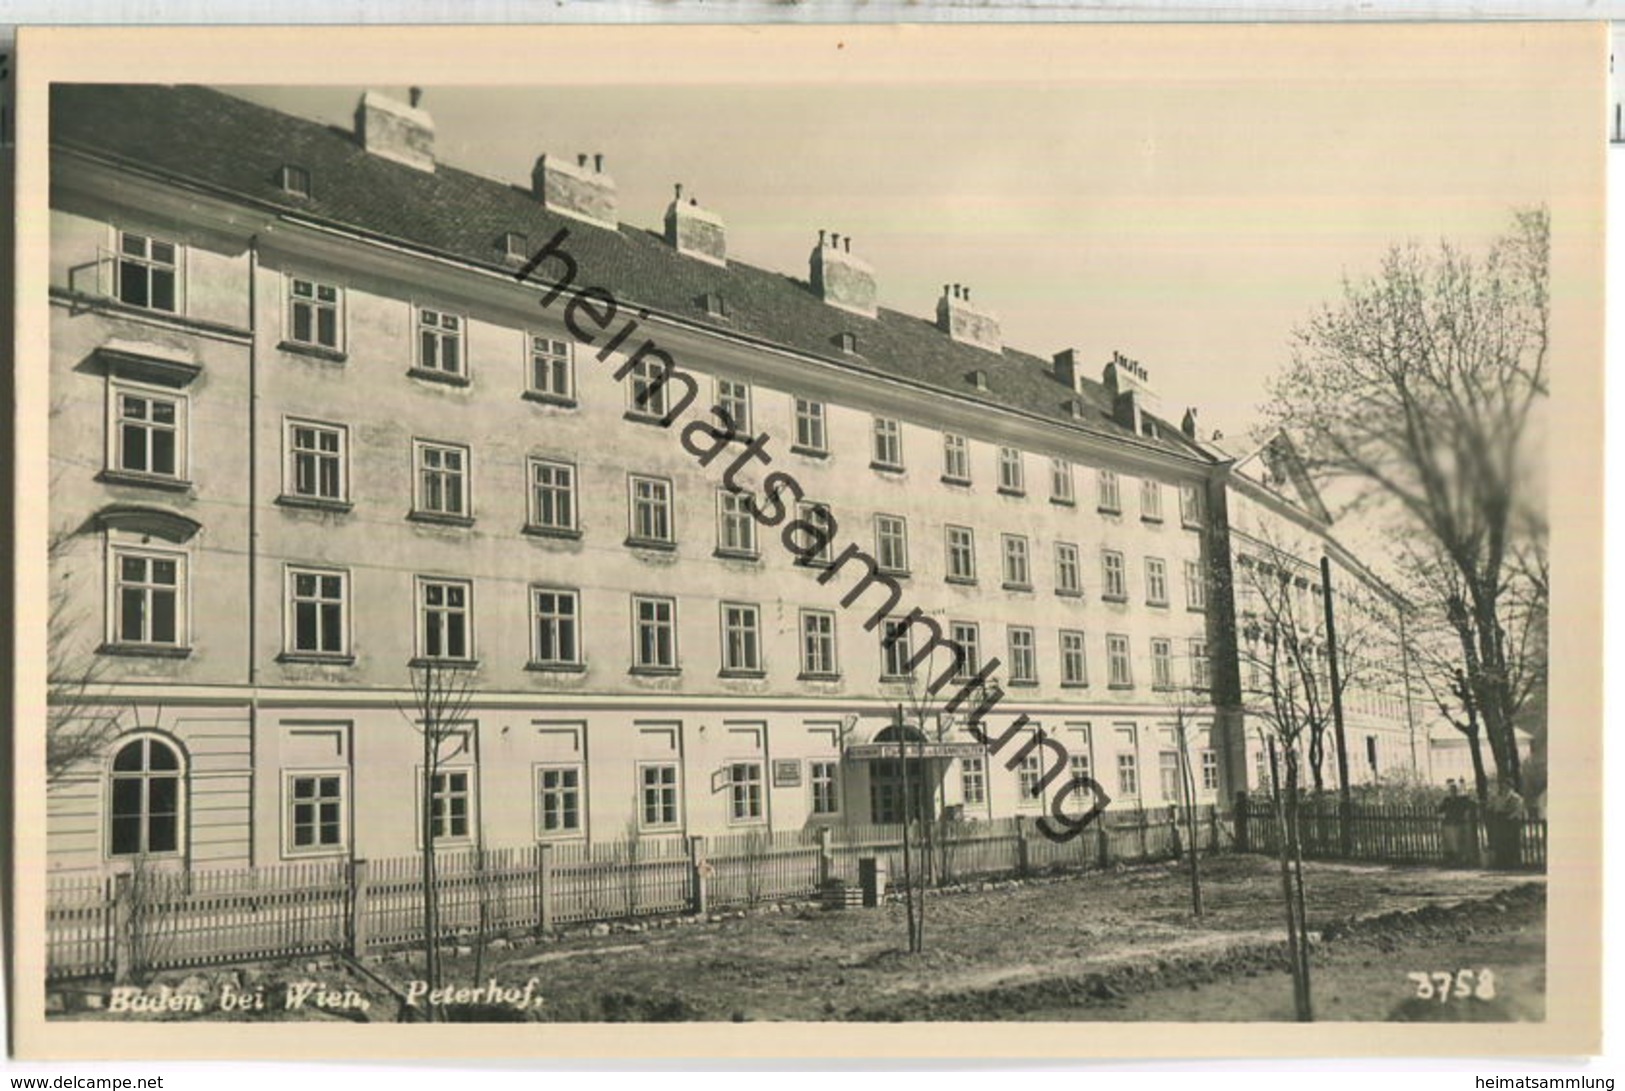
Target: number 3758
(1444, 986)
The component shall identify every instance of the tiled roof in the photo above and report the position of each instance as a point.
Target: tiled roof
(224, 143)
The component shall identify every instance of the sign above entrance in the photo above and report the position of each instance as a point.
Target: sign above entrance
(877, 751)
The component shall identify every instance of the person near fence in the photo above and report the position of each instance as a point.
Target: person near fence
(1456, 813)
(1503, 822)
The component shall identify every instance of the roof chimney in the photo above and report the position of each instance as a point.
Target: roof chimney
(1188, 425)
(965, 323)
(840, 279)
(1129, 384)
(1069, 369)
(577, 190)
(695, 231)
(393, 130)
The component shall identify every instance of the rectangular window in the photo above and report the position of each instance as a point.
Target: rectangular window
(818, 643)
(1109, 498)
(440, 342)
(558, 800)
(1162, 665)
(1128, 764)
(967, 636)
(1192, 504)
(1074, 659)
(651, 521)
(1199, 670)
(313, 314)
(888, 450)
(444, 629)
(1156, 581)
(1114, 580)
(1016, 570)
(449, 803)
(1068, 573)
(1168, 775)
(955, 459)
(895, 650)
(1028, 774)
(315, 812)
(736, 528)
(810, 425)
(1151, 501)
(149, 598)
(317, 459)
(1012, 479)
(1210, 771)
(552, 495)
(1023, 655)
(1117, 660)
(733, 399)
(1195, 586)
(745, 791)
(659, 788)
(973, 781)
(961, 554)
(741, 638)
(149, 434)
(646, 390)
(816, 514)
(555, 627)
(317, 605)
(826, 786)
(442, 479)
(654, 622)
(891, 543)
(1061, 481)
(148, 272)
(552, 368)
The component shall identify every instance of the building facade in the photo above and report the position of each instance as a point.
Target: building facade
(330, 418)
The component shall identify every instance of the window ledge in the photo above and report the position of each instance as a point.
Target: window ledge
(1065, 594)
(317, 658)
(556, 668)
(725, 673)
(1005, 490)
(812, 562)
(315, 352)
(1121, 686)
(960, 482)
(641, 416)
(1022, 683)
(1196, 609)
(818, 676)
(1114, 598)
(558, 400)
(440, 661)
(750, 557)
(446, 378)
(808, 452)
(1161, 604)
(894, 679)
(886, 468)
(1074, 685)
(144, 480)
(1017, 586)
(962, 581)
(145, 651)
(441, 518)
(1104, 510)
(314, 503)
(656, 672)
(1151, 519)
(537, 531)
(1063, 501)
(895, 573)
(650, 543)
(1188, 525)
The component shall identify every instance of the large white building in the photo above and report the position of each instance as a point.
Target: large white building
(314, 430)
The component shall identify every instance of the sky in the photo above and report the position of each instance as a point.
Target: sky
(1189, 210)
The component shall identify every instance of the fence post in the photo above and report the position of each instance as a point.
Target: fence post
(1023, 859)
(123, 948)
(544, 889)
(826, 855)
(1242, 844)
(1145, 829)
(1213, 827)
(358, 908)
(697, 867)
(1105, 839)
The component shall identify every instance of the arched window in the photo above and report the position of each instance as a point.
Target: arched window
(145, 808)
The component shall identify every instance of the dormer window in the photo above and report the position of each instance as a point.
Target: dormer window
(515, 246)
(977, 379)
(295, 181)
(848, 342)
(714, 305)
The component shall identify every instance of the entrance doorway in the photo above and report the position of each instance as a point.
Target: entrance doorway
(902, 788)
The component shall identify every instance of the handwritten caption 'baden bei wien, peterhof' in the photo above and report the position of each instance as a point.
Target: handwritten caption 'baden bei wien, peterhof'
(589, 312)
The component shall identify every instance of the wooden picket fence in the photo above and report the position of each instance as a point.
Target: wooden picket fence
(156, 919)
(1388, 833)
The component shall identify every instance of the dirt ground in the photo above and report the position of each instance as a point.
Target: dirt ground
(1117, 945)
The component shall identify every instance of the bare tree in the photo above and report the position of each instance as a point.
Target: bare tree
(441, 695)
(78, 723)
(1183, 701)
(1424, 388)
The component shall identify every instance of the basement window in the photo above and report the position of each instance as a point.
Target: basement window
(515, 246)
(295, 180)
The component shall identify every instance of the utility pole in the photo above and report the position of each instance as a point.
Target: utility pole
(1345, 833)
